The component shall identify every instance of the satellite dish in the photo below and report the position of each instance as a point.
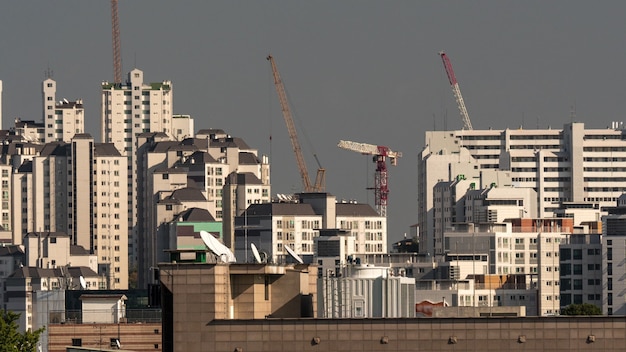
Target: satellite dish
(117, 342)
(217, 247)
(83, 283)
(294, 255)
(255, 251)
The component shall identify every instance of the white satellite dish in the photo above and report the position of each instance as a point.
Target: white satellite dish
(294, 255)
(117, 342)
(83, 283)
(217, 247)
(255, 251)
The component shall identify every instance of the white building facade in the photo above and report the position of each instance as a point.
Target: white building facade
(573, 164)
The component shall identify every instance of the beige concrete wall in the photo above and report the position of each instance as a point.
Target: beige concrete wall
(133, 337)
(429, 334)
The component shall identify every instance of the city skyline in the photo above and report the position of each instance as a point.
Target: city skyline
(367, 72)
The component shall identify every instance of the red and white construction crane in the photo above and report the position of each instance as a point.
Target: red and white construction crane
(381, 153)
(467, 124)
(291, 128)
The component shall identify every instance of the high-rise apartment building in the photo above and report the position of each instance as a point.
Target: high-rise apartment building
(572, 164)
(62, 120)
(78, 188)
(129, 109)
(173, 176)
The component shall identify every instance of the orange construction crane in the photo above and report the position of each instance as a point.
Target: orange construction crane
(381, 153)
(319, 185)
(117, 51)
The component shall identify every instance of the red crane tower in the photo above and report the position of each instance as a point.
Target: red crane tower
(381, 153)
(467, 124)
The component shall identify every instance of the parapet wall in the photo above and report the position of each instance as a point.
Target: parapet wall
(599, 333)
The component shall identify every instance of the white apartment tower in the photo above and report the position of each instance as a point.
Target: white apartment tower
(61, 120)
(572, 164)
(78, 188)
(134, 107)
(49, 91)
(129, 109)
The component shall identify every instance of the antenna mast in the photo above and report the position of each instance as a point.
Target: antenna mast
(117, 51)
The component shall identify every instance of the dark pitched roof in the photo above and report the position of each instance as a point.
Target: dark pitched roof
(82, 136)
(56, 148)
(164, 146)
(201, 158)
(196, 215)
(280, 209)
(229, 142)
(28, 123)
(198, 142)
(37, 273)
(358, 209)
(11, 250)
(244, 178)
(78, 250)
(85, 271)
(106, 149)
(188, 194)
(246, 158)
(27, 166)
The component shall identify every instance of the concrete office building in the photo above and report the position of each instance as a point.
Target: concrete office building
(526, 248)
(613, 254)
(460, 201)
(297, 221)
(581, 270)
(573, 164)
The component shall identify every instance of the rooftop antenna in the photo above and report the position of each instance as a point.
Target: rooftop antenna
(48, 72)
(294, 255)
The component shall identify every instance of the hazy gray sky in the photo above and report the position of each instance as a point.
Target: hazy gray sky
(366, 71)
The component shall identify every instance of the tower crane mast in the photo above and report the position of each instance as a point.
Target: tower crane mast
(381, 153)
(467, 124)
(293, 136)
(117, 51)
